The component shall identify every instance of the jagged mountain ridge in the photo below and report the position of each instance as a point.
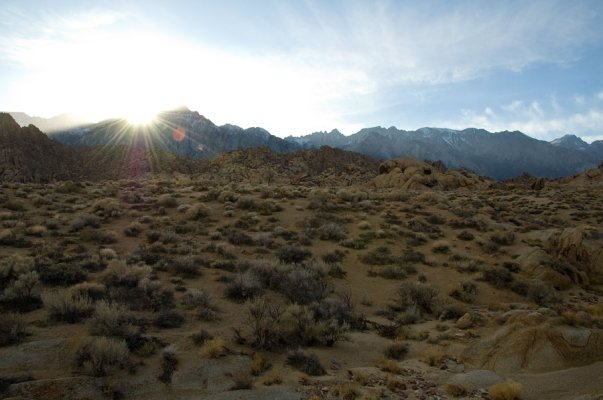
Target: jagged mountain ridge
(499, 155)
(182, 132)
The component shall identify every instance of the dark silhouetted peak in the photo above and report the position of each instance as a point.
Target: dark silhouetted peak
(8, 123)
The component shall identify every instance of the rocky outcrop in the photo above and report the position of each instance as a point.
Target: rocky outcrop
(580, 247)
(409, 173)
(533, 341)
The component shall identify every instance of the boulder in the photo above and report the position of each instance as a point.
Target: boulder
(476, 379)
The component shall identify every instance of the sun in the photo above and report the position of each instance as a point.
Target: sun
(140, 117)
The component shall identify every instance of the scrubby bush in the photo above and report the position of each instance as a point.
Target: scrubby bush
(186, 267)
(396, 351)
(169, 363)
(101, 355)
(503, 238)
(214, 348)
(62, 274)
(305, 362)
(293, 254)
(466, 292)
(304, 286)
(82, 221)
(244, 286)
(112, 319)
(201, 337)
(332, 231)
(169, 319)
(466, 236)
(422, 297)
(65, 305)
(133, 229)
(197, 212)
(497, 277)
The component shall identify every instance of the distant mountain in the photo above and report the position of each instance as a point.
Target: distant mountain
(49, 125)
(181, 132)
(570, 142)
(498, 155)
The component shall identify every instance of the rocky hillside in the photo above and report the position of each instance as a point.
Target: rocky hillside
(27, 154)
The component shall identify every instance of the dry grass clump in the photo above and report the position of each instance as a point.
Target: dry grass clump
(65, 305)
(214, 348)
(332, 231)
(508, 390)
(455, 390)
(293, 254)
(82, 221)
(388, 365)
(167, 200)
(259, 365)
(112, 319)
(197, 212)
(101, 355)
(244, 286)
(273, 377)
(133, 229)
(498, 277)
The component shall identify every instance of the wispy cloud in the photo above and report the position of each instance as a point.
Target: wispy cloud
(535, 120)
(391, 41)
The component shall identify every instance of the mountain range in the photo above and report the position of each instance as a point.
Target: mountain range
(499, 155)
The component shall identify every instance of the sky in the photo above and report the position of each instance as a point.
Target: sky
(297, 66)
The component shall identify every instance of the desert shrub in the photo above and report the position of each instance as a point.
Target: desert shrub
(497, 277)
(167, 200)
(541, 294)
(422, 297)
(334, 256)
(82, 221)
(466, 236)
(12, 328)
(237, 237)
(169, 319)
(169, 364)
(65, 305)
(186, 267)
(201, 337)
(508, 390)
(197, 212)
(389, 272)
(304, 286)
(263, 322)
(20, 290)
(305, 362)
(100, 355)
(503, 238)
(466, 292)
(133, 229)
(112, 319)
(94, 291)
(101, 237)
(332, 231)
(293, 254)
(68, 187)
(379, 256)
(118, 273)
(244, 286)
(441, 247)
(364, 225)
(14, 205)
(396, 351)
(107, 207)
(62, 274)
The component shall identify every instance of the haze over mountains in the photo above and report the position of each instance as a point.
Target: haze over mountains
(499, 155)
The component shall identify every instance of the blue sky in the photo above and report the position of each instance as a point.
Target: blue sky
(294, 67)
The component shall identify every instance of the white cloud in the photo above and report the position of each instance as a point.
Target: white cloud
(600, 95)
(533, 120)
